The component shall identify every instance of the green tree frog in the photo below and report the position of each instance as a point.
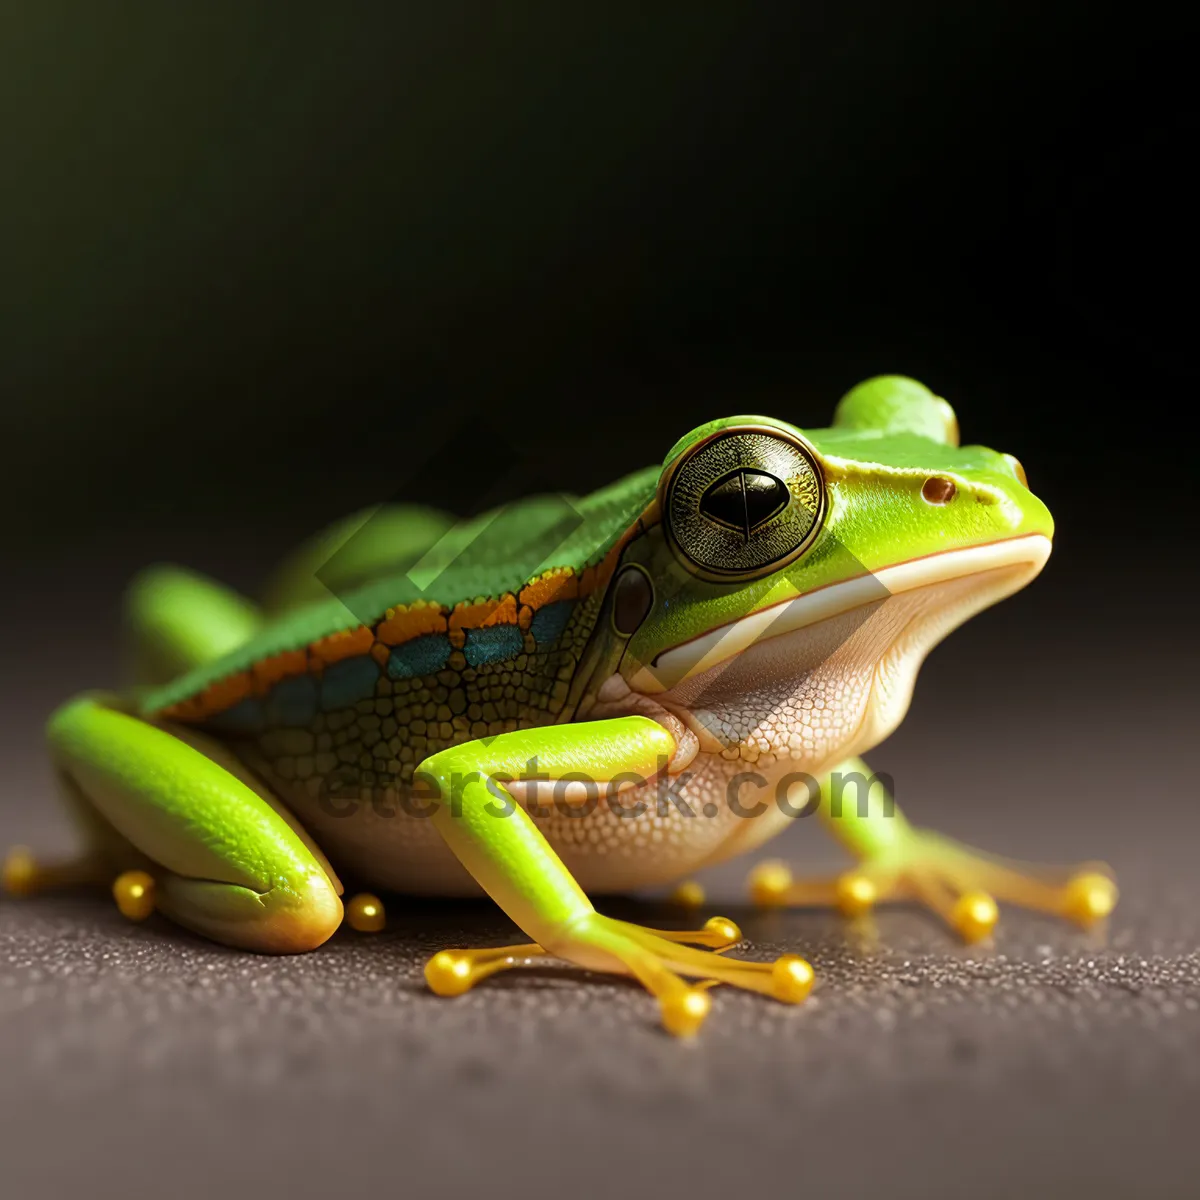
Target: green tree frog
(568, 698)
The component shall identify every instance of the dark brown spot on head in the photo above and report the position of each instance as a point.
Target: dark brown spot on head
(937, 489)
(633, 597)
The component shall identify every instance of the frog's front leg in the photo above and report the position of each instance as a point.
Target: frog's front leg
(899, 862)
(188, 831)
(500, 845)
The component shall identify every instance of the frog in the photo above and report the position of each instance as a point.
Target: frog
(568, 698)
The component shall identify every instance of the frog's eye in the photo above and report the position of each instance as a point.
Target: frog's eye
(743, 501)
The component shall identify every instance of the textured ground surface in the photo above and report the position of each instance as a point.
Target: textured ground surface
(137, 1058)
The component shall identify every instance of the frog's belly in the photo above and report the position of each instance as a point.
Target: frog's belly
(644, 838)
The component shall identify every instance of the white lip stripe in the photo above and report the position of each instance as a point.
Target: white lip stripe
(709, 649)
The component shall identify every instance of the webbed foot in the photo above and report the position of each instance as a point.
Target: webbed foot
(961, 885)
(661, 960)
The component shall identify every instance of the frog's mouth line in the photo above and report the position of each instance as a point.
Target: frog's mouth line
(707, 650)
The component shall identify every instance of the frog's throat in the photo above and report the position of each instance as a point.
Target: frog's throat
(1024, 556)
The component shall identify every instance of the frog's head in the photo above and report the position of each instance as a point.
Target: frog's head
(786, 585)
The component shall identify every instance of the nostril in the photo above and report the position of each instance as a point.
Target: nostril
(937, 489)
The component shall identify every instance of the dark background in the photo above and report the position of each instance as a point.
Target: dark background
(257, 267)
(262, 265)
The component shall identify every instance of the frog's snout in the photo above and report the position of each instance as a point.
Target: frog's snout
(996, 502)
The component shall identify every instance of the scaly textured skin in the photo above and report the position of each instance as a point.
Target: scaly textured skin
(482, 587)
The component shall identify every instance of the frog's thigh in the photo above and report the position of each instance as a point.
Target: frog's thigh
(363, 546)
(225, 857)
(177, 619)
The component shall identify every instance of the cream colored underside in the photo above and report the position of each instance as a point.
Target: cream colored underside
(797, 689)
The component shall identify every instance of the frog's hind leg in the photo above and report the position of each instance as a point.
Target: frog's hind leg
(177, 619)
(211, 848)
(366, 545)
(898, 862)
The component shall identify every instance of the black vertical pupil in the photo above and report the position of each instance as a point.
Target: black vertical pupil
(745, 499)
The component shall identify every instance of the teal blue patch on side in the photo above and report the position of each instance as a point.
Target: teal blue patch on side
(493, 644)
(292, 701)
(422, 656)
(246, 716)
(550, 620)
(345, 683)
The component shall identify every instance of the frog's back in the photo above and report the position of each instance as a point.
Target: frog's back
(483, 636)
